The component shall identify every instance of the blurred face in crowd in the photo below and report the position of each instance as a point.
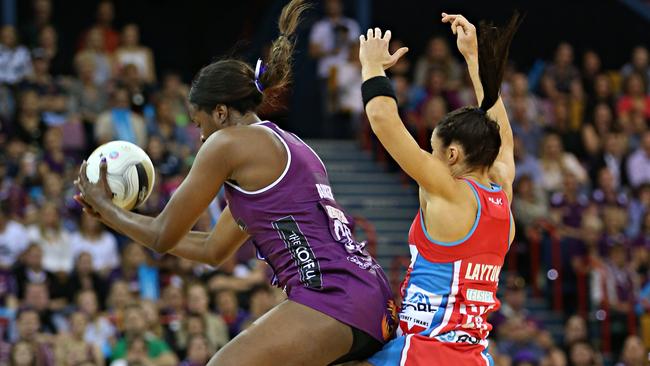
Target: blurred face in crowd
(333, 8)
(227, 302)
(121, 99)
(48, 37)
(28, 325)
(561, 114)
(50, 216)
(575, 330)
(53, 185)
(78, 323)
(90, 224)
(37, 296)
(640, 58)
(155, 148)
(438, 49)
(591, 62)
(634, 352)
(105, 13)
(261, 301)
(582, 355)
(602, 86)
(119, 295)
(634, 85)
(617, 256)
(33, 257)
(606, 180)
(95, 39)
(29, 102)
(524, 188)
(8, 36)
(198, 350)
(519, 110)
(555, 357)
(41, 65)
(173, 297)
(87, 303)
(519, 84)
(195, 325)
(130, 35)
(151, 315)
(197, 299)
(646, 223)
(434, 110)
(53, 139)
(84, 263)
(564, 54)
(603, 118)
(22, 354)
(552, 147)
(134, 255)
(436, 81)
(42, 9)
(164, 112)
(135, 320)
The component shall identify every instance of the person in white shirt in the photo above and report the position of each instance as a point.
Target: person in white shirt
(50, 235)
(99, 243)
(15, 60)
(331, 41)
(13, 238)
(638, 165)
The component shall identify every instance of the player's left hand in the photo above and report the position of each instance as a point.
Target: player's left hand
(374, 53)
(92, 195)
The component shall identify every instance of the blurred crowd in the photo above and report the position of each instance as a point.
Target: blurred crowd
(74, 293)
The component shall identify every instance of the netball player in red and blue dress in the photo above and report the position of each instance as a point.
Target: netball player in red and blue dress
(461, 234)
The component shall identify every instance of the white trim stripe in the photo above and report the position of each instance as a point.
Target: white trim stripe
(286, 168)
(487, 361)
(451, 300)
(405, 350)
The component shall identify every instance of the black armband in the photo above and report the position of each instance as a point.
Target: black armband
(378, 86)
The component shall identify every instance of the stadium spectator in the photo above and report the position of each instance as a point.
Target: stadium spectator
(634, 352)
(131, 52)
(48, 41)
(13, 238)
(95, 240)
(72, 349)
(438, 56)
(330, 43)
(104, 23)
(591, 69)
(199, 351)
(135, 327)
(638, 165)
(198, 303)
(28, 325)
(530, 203)
(30, 126)
(561, 73)
(120, 123)
(15, 60)
(53, 238)
(42, 18)
(635, 99)
(555, 163)
(95, 49)
(639, 63)
(23, 353)
(99, 330)
(227, 306)
(84, 278)
(52, 99)
(602, 94)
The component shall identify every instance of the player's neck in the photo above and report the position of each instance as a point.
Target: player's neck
(245, 119)
(479, 177)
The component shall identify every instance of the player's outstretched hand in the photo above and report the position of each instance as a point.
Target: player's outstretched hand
(374, 53)
(465, 34)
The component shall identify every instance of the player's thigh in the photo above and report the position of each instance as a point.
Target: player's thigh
(290, 334)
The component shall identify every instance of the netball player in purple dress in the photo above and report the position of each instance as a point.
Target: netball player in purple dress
(339, 305)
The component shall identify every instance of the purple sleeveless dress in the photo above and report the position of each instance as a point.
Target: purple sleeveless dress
(305, 236)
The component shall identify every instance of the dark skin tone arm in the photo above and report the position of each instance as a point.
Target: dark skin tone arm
(252, 165)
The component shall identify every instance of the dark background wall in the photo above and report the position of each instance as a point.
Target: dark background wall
(188, 34)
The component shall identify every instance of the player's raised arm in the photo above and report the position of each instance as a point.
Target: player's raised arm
(381, 108)
(486, 57)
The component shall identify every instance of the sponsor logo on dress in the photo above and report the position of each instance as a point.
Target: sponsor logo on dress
(301, 252)
(480, 296)
(482, 272)
(419, 306)
(325, 191)
(496, 201)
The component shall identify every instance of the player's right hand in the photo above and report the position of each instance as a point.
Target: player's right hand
(465, 34)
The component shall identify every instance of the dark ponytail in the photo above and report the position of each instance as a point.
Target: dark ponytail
(232, 82)
(278, 68)
(493, 47)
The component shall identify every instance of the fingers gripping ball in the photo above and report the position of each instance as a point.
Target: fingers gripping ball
(130, 172)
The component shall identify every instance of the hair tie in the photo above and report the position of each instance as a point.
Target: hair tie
(260, 68)
(480, 110)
